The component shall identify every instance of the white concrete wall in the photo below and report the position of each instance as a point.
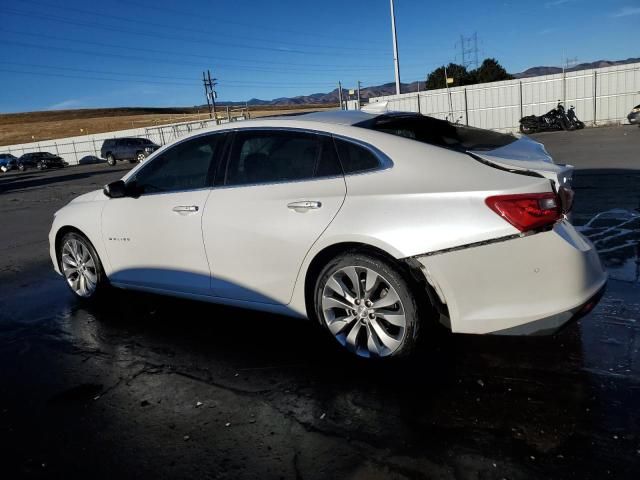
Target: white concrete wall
(614, 91)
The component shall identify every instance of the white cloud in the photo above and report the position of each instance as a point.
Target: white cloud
(70, 103)
(626, 12)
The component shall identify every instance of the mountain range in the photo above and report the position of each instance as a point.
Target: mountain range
(390, 88)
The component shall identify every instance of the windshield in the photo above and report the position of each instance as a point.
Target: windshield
(440, 133)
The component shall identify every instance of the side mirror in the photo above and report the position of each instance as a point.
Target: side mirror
(116, 189)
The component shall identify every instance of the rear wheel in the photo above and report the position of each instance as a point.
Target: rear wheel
(367, 306)
(111, 160)
(80, 265)
(41, 166)
(21, 167)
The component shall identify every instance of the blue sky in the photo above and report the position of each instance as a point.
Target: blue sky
(72, 54)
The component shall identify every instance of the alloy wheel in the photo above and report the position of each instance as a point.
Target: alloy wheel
(363, 311)
(79, 267)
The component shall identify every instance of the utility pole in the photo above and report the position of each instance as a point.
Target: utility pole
(214, 94)
(359, 94)
(396, 59)
(340, 95)
(210, 92)
(206, 94)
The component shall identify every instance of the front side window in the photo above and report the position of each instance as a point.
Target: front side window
(279, 156)
(187, 166)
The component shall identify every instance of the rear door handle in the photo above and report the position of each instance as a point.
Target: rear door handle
(304, 205)
(184, 209)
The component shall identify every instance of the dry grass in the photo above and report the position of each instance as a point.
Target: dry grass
(38, 126)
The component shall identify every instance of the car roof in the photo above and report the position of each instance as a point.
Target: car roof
(347, 117)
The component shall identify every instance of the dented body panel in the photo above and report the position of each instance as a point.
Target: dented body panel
(516, 282)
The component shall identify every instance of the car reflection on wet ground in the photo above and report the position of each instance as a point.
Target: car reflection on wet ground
(144, 386)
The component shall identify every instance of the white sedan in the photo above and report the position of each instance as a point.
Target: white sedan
(373, 225)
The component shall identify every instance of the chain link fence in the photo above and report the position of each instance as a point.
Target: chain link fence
(86, 149)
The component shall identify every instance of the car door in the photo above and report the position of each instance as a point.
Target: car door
(155, 240)
(282, 188)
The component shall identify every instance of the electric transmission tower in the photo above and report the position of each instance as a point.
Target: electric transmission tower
(210, 92)
(468, 50)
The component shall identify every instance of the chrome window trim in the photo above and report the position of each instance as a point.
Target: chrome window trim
(385, 162)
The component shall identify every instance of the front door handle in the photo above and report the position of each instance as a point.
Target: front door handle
(185, 209)
(304, 205)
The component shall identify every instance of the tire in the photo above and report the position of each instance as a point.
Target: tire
(139, 157)
(80, 265)
(579, 124)
(566, 124)
(21, 167)
(111, 160)
(41, 166)
(361, 327)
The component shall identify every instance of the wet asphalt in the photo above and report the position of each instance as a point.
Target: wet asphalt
(141, 386)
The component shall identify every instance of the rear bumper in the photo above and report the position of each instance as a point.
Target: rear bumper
(524, 286)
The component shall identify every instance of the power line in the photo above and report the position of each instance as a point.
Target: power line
(144, 33)
(155, 60)
(125, 80)
(147, 6)
(148, 23)
(181, 54)
(189, 79)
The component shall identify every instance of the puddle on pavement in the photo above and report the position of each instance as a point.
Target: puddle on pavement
(616, 235)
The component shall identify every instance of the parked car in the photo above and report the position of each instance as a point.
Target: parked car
(132, 149)
(634, 115)
(376, 226)
(7, 162)
(40, 160)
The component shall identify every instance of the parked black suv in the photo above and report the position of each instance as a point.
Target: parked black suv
(40, 160)
(132, 149)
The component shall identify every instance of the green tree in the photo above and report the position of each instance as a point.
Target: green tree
(490, 71)
(459, 74)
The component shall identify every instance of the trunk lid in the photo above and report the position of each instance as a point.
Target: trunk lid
(526, 155)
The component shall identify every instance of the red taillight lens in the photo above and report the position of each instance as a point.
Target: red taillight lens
(527, 211)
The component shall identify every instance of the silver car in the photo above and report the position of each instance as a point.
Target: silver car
(375, 226)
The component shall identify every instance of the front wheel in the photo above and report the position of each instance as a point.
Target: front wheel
(21, 167)
(111, 160)
(527, 129)
(81, 266)
(367, 305)
(139, 157)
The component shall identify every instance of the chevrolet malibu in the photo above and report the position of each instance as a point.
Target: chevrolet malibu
(374, 225)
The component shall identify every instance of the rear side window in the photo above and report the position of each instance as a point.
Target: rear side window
(355, 158)
(279, 156)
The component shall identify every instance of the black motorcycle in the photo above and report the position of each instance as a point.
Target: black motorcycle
(573, 118)
(555, 119)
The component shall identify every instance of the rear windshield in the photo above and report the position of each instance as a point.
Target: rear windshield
(440, 133)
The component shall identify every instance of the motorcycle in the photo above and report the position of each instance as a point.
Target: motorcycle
(555, 119)
(573, 118)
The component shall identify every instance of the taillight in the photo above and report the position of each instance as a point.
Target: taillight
(527, 211)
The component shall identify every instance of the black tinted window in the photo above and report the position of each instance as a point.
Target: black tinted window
(355, 158)
(439, 132)
(189, 165)
(272, 156)
(328, 163)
